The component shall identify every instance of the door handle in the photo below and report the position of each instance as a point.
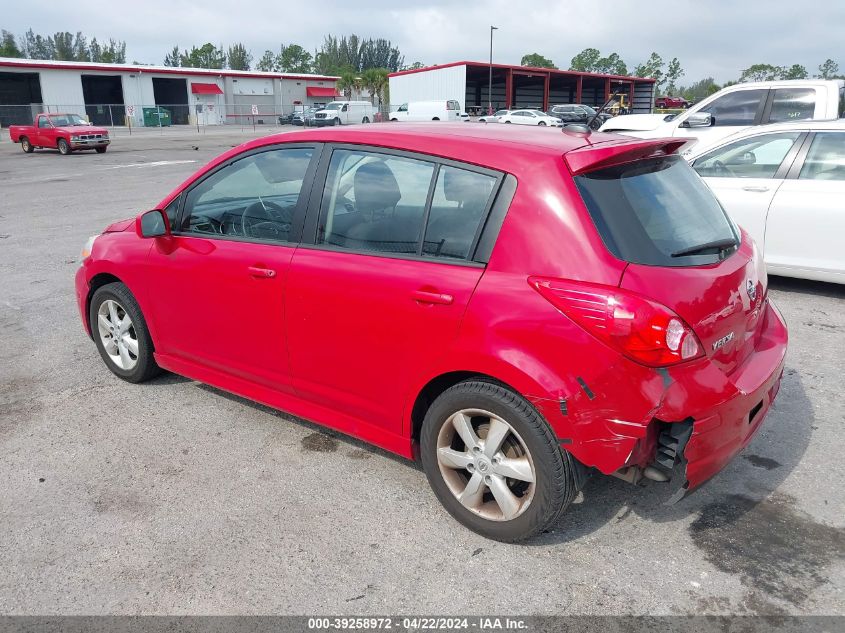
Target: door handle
(261, 273)
(757, 188)
(421, 296)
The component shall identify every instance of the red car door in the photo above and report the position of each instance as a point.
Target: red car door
(218, 283)
(44, 132)
(379, 296)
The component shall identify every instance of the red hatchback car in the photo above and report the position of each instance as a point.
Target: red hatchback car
(516, 307)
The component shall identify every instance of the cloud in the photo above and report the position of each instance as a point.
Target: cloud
(711, 38)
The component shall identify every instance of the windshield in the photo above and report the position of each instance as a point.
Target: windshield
(658, 212)
(334, 105)
(67, 120)
(590, 111)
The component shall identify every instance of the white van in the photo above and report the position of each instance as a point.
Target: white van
(441, 110)
(344, 113)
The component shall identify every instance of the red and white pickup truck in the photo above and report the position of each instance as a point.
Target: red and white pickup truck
(64, 132)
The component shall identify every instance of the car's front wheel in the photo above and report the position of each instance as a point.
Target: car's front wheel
(121, 333)
(494, 463)
(63, 146)
(101, 150)
(541, 123)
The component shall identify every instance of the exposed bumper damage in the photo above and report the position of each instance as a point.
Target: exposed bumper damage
(692, 419)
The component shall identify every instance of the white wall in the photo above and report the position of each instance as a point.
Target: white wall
(441, 83)
(62, 90)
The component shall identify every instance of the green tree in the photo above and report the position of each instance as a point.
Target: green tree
(293, 59)
(37, 47)
(700, 89)
(374, 81)
(828, 70)
(339, 53)
(267, 63)
(414, 66)
(239, 58)
(172, 58)
(8, 45)
(586, 60)
(653, 67)
(81, 51)
(673, 73)
(63, 47)
(611, 65)
(206, 56)
(796, 71)
(762, 72)
(96, 50)
(348, 82)
(114, 52)
(535, 60)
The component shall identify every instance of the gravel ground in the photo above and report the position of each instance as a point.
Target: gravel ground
(176, 498)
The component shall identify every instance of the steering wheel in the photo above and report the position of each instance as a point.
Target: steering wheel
(721, 169)
(264, 218)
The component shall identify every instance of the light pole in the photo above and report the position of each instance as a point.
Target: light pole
(490, 78)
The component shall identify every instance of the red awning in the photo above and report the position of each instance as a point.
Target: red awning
(315, 91)
(205, 89)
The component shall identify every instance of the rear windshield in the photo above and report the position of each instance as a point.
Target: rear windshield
(658, 212)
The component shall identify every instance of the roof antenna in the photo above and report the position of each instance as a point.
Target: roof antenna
(601, 109)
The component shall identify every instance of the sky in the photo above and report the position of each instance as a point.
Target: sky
(716, 38)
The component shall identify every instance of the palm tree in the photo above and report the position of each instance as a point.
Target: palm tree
(375, 81)
(348, 82)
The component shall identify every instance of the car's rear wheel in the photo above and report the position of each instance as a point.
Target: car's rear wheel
(100, 150)
(121, 333)
(493, 462)
(64, 147)
(26, 146)
(365, 120)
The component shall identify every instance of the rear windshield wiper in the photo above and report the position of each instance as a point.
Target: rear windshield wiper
(720, 245)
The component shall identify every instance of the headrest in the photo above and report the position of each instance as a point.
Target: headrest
(375, 188)
(465, 187)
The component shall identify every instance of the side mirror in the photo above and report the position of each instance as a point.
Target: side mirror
(699, 119)
(152, 224)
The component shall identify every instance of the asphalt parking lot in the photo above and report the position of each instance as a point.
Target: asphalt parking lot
(172, 497)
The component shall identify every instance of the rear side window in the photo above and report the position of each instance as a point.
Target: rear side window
(736, 108)
(826, 157)
(657, 212)
(793, 104)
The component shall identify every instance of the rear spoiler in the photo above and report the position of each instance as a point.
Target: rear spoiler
(601, 155)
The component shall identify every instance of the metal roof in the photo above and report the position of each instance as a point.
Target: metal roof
(530, 69)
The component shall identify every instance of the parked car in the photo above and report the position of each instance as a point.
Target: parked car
(671, 102)
(304, 117)
(530, 117)
(493, 118)
(738, 107)
(64, 132)
(785, 185)
(344, 113)
(406, 284)
(441, 110)
(578, 113)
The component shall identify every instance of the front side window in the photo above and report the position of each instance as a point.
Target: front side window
(755, 157)
(501, 113)
(254, 197)
(826, 158)
(43, 122)
(793, 104)
(736, 108)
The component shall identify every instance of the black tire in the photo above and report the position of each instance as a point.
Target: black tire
(554, 486)
(100, 150)
(26, 146)
(436, 118)
(63, 147)
(542, 123)
(336, 121)
(365, 120)
(145, 367)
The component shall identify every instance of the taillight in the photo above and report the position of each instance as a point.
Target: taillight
(641, 329)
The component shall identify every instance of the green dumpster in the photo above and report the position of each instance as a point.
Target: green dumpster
(156, 117)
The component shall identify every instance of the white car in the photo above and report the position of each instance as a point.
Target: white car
(493, 118)
(785, 185)
(530, 117)
(442, 110)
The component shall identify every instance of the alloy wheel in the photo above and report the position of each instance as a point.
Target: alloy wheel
(486, 464)
(117, 333)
